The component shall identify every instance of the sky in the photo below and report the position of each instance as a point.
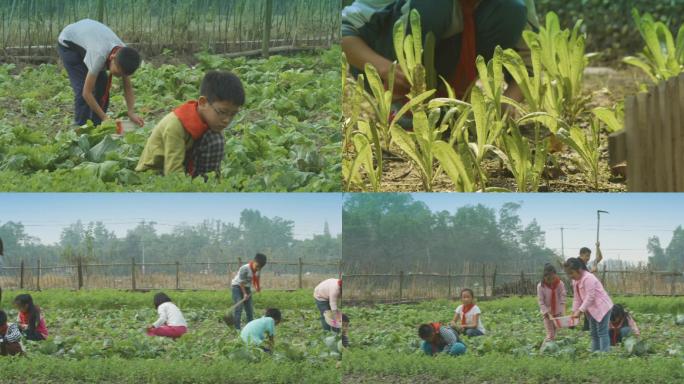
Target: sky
(624, 231)
(46, 214)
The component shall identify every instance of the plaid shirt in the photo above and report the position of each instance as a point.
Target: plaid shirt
(449, 335)
(206, 154)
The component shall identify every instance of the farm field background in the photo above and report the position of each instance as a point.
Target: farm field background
(98, 336)
(386, 348)
(286, 138)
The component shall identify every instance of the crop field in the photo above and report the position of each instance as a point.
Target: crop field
(98, 336)
(386, 348)
(286, 138)
(554, 139)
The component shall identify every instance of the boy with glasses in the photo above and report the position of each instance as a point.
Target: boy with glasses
(190, 139)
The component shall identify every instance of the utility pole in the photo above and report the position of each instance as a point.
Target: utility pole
(562, 244)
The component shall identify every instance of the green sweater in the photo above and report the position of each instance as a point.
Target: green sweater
(166, 147)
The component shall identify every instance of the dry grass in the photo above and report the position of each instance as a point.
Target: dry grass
(208, 281)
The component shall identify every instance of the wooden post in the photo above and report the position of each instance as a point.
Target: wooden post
(522, 282)
(38, 275)
(494, 281)
(678, 121)
(650, 282)
(603, 278)
(79, 272)
(268, 18)
(301, 268)
(177, 275)
(401, 284)
(632, 136)
(449, 278)
(21, 275)
(672, 283)
(100, 11)
(484, 279)
(133, 273)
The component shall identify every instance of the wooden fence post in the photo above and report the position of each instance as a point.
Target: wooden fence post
(21, 275)
(133, 273)
(38, 275)
(494, 281)
(401, 284)
(268, 18)
(100, 11)
(177, 275)
(301, 268)
(484, 279)
(651, 282)
(672, 283)
(79, 272)
(449, 278)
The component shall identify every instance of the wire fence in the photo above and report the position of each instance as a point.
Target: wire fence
(277, 275)
(29, 28)
(488, 282)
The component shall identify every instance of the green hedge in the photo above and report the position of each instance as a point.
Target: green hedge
(609, 24)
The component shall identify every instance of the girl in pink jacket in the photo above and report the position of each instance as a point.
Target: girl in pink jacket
(591, 300)
(551, 294)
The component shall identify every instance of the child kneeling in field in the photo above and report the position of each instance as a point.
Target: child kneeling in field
(551, 295)
(621, 325)
(191, 137)
(10, 337)
(258, 330)
(171, 322)
(467, 319)
(30, 318)
(440, 338)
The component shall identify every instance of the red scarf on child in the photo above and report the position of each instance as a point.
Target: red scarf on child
(466, 71)
(105, 97)
(191, 120)
(553, 287)
(464, 310)
(615, 326)
(194, 125)
(435, 328)
(255, 277)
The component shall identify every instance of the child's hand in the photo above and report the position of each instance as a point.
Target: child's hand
(576, 314)
(547, 316)
(136, 119)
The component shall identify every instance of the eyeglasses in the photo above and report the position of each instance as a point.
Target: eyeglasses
(230, 114)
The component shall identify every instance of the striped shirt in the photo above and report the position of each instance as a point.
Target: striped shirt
(12, 335)
(449, 336)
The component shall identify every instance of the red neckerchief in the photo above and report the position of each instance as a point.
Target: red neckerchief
(194, 125)
(255, 277)
(435, 328)
(105, 97)
(464, 310)
(339, 283)
(191, 120)
(466, 71)
(553, 287)
(616, 330)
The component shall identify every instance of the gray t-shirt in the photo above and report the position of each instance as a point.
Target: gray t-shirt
(243, 276)
(95, 38)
